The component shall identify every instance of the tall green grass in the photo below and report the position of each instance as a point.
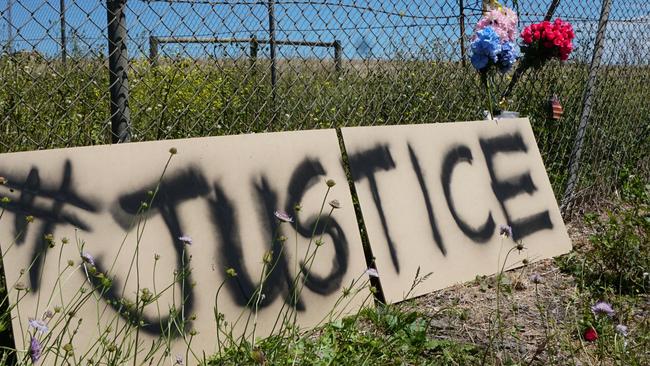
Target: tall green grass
(44, 104)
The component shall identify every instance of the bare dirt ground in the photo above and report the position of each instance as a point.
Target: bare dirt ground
(539, 322)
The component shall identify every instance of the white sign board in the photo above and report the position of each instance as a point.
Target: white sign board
(434, 196)
(219, 192)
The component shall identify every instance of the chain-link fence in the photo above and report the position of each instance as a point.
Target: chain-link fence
(91, 72)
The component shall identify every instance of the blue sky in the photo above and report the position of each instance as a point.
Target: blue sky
(374, 29)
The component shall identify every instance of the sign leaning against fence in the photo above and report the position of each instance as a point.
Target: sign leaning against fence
(147, 233)
(212, 220)
(434, 197)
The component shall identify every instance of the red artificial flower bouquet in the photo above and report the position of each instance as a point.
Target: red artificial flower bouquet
(544, 41)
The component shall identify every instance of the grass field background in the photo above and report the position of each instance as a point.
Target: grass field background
(45, 104)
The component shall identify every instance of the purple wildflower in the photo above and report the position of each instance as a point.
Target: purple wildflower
(48, 314)
(39, 325)
(185, 239)
(179, 360)
(622, 330)
(88, 258)
(283, 216)
(505, 231)
(372, 272)
(602, 307)
(536, 278)
(35, 350)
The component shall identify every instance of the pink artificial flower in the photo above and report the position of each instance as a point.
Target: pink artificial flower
(503, 21)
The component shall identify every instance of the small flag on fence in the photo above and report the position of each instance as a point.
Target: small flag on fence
(556, 108)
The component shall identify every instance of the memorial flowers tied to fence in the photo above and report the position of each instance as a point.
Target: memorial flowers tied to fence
(495, 50)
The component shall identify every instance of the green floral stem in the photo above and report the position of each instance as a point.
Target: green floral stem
(488, 95)
(518, 73)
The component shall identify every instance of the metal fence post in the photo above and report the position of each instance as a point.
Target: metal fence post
(64, 50)
(589, 95)
(461, 22)
(551, 10)
(10, 25)
(118, 65)
(254, 45)
(153, 50)
(338, 57)
(271, 5)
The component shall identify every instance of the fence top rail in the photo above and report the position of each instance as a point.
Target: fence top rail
(286, 42)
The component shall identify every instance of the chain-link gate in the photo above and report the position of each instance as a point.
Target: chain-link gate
(91, 72)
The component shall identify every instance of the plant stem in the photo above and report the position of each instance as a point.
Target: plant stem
(519, 71)
(488, 95)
